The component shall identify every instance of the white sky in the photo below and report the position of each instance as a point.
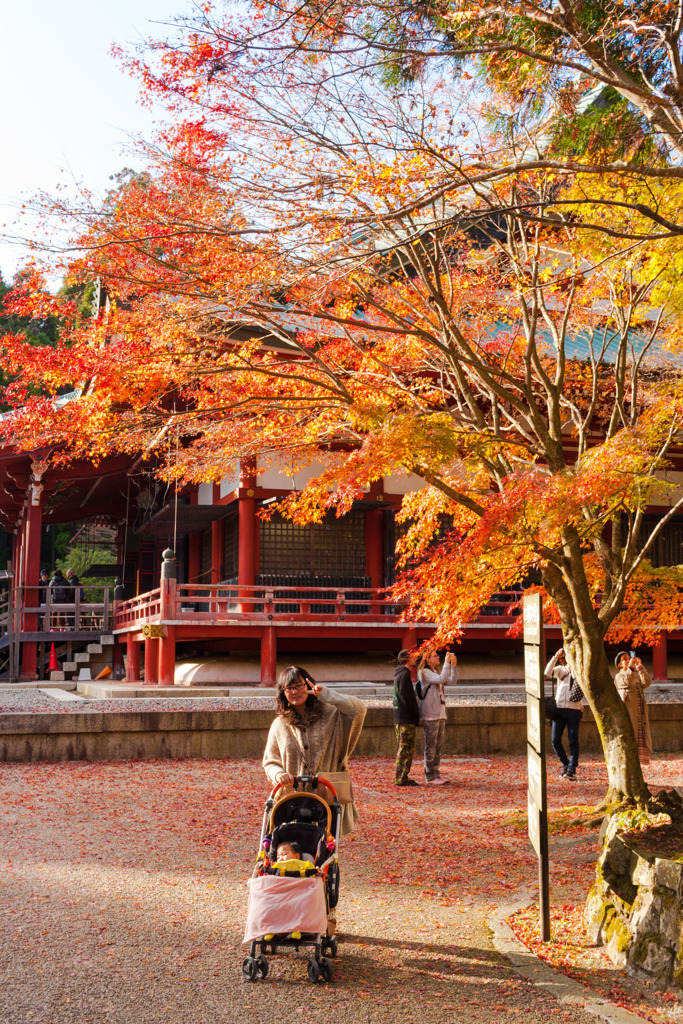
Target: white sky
(66, 107)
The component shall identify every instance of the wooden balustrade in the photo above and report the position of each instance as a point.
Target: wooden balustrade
(47, 615)
(220, 602)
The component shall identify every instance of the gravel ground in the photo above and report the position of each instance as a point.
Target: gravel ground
(29, 701)
(124, 894)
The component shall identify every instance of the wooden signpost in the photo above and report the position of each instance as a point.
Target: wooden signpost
(534, 660)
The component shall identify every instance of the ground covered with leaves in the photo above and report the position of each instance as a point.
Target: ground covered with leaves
(124, 893)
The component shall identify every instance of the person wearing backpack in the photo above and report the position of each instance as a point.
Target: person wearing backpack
(430, 689)
(569, 700)
(60, 593)
(406, 717)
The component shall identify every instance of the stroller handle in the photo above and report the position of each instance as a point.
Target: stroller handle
(317, 779)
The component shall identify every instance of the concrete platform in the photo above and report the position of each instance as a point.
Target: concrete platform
(106, 690)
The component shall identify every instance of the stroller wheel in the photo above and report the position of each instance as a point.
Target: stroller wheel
(325, 969)
(261, 967)
(313, 971)
(249, 968)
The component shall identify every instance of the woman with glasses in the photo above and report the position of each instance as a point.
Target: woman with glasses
(315, 732)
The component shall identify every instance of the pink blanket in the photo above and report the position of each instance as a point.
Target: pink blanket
(282, 905)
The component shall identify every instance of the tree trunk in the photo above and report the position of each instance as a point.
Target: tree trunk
(586, 654)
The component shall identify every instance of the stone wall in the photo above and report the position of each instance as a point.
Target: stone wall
(114, 735)
(635, 911)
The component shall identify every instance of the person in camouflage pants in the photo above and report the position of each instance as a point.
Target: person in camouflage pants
(406, 717)
(405, 739)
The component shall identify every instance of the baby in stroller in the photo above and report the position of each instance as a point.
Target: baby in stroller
(291, 897)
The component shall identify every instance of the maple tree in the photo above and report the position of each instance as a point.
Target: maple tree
(540, 56)
(308, 269)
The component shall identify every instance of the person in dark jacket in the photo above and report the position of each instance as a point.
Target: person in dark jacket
(75, 587)
(74, 582)
(406, 717)
(60, 593)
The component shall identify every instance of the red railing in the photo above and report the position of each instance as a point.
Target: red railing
(138, 610)
(228, 602)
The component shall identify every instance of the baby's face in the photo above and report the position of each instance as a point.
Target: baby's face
(286, 852)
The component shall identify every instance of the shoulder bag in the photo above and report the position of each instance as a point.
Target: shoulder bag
(551, 705)
(575, 691)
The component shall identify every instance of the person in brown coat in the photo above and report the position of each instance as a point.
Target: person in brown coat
(315, 731)
(631, 681)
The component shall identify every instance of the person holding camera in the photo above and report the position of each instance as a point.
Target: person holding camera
(568, 715)
(432, 680)
(631, 681)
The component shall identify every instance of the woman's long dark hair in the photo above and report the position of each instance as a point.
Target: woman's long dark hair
(294, 674)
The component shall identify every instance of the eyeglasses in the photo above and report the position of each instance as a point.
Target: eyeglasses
(292, 687)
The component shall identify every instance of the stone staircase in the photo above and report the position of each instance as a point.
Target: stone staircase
(87, 664)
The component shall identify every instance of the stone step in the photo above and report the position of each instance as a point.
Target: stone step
(62, 695)
(82, 658)
(107, 640)
(57, 675)
(69, 666)
(94, 648)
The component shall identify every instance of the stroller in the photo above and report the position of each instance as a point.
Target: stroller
(282, 902)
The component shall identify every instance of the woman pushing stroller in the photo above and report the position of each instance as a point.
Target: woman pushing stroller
(294, 891)
(314, 733)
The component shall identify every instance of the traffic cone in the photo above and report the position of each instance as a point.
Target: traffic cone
(54, 664)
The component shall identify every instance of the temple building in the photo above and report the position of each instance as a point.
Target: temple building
(202, 570)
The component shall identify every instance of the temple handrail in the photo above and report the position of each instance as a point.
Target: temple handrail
(75, 616)
(215, 602)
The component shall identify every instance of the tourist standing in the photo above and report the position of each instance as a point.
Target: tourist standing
(568, 715)
(75, 587)
(60, 593)
(432, 680)
(406, 717)
(631, 681)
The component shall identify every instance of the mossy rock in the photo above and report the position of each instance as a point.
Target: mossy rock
(649, 954)
(616, 937)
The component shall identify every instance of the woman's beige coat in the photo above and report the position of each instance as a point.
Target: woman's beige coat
(630, 684)
(323, 745)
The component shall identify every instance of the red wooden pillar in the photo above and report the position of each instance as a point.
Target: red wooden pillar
(152, 660)
(374, 546)
(167, 657)
(248, 532)
(269, 656)
(31, 579)
(409, 639)
(133, 659)
(16, 554)
(18, 564)
(168, 611)
(659, 660)
(374, 552)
